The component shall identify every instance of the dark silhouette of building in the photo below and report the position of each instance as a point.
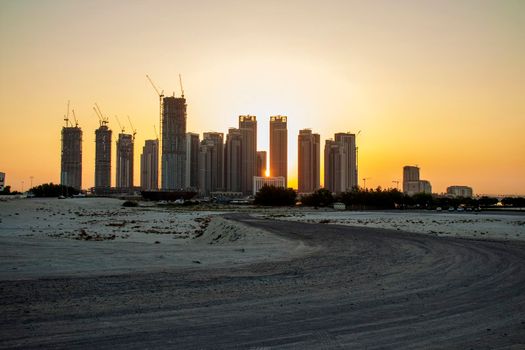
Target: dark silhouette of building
(149, 165)
(192, 160)
(340, 172)
(248, 129)
(279, 147)
(102, 159)
(233, 161)
(124, 175)
(309, 148)
(261, 163)
(211, 159)
(173, 143)
(71, 160)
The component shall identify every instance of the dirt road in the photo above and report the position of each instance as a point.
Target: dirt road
(361, 289)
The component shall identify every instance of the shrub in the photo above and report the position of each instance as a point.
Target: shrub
(275, 196)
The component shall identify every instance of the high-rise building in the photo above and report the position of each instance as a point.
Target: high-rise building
(412, 184)
(349, 169)
(124, 175)
(309, 149)
(211, 163)
(341, 163)
(71, 163)
(233, 161)
(333, 166)
(261, 163)
(149, 165)
(279, 147)
(2, 181)
(173, 143)
(102, 159)
(248, 129)
(192, 160)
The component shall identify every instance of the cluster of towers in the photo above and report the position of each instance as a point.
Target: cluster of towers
(216, 163)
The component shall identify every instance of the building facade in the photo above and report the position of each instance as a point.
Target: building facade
(248, 130)
(460, 191)
(211, 168)
(102, 159)
(2, 181)
(149, 166)
(124, 159)
(233, 161)
(333, 158)
(279, 147)
(192, 160)
(309, 162)
(261, 163)
(412, 183)
(173, 143)
(349, 160)
(260, 181)
(71, 160)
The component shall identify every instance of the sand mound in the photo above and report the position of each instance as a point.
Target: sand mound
(223, 231)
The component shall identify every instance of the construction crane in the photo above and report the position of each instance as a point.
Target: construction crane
(397, 184)
(103, 120)
(132, 128)
(66, 117)
(161, 96)
(119, 125)
(364, 181)
(75, 118)
(181, 88)
(155, 129)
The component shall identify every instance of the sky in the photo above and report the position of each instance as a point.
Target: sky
(439, 84)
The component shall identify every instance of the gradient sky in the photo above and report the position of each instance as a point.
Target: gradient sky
(440, 84)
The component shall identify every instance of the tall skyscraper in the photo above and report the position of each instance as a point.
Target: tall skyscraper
(333, 156)
(149, 165)
(124, 175)
(261, 163)
(248, 129)
(341, 163)
(233, 161)
(173, 143)
(102, 159)
(309, 148)
(71, 162)
(192, 160)
(349, 170)
(279, 147)
(211, 163)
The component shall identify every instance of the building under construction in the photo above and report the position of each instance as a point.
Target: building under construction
(124, 175)
(173, 143)
(102, 159)
(71, 162)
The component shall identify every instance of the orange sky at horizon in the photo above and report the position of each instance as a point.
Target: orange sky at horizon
(435, 83)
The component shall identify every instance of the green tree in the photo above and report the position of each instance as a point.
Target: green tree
(275, 196)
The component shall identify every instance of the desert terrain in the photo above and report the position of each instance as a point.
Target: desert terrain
(88, 273)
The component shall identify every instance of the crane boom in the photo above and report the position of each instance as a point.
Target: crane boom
(75, 118)
(119, 125)
(132, 128)
(181, 87)
(66, 117)
(154, 86)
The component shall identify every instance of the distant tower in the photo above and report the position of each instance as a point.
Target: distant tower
(124, 176)
(211, 163)
(261, 163)
(149, 165)
(71, 163)
(309, 146)
(412, 184)
(248, 129)
(349, 161)
(333, 154)
(279, 147)
(102, 159)
(173, 143)
(233, 161)
(192, 160)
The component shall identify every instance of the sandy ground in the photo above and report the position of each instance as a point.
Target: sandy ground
(304, 285)
(483, 225)
(82, 236)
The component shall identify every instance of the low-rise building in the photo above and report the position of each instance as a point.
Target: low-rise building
(460, 191)
(260, 181)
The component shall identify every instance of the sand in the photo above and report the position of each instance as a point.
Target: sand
(83, 236)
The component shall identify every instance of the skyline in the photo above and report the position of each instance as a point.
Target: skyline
(437, 84)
